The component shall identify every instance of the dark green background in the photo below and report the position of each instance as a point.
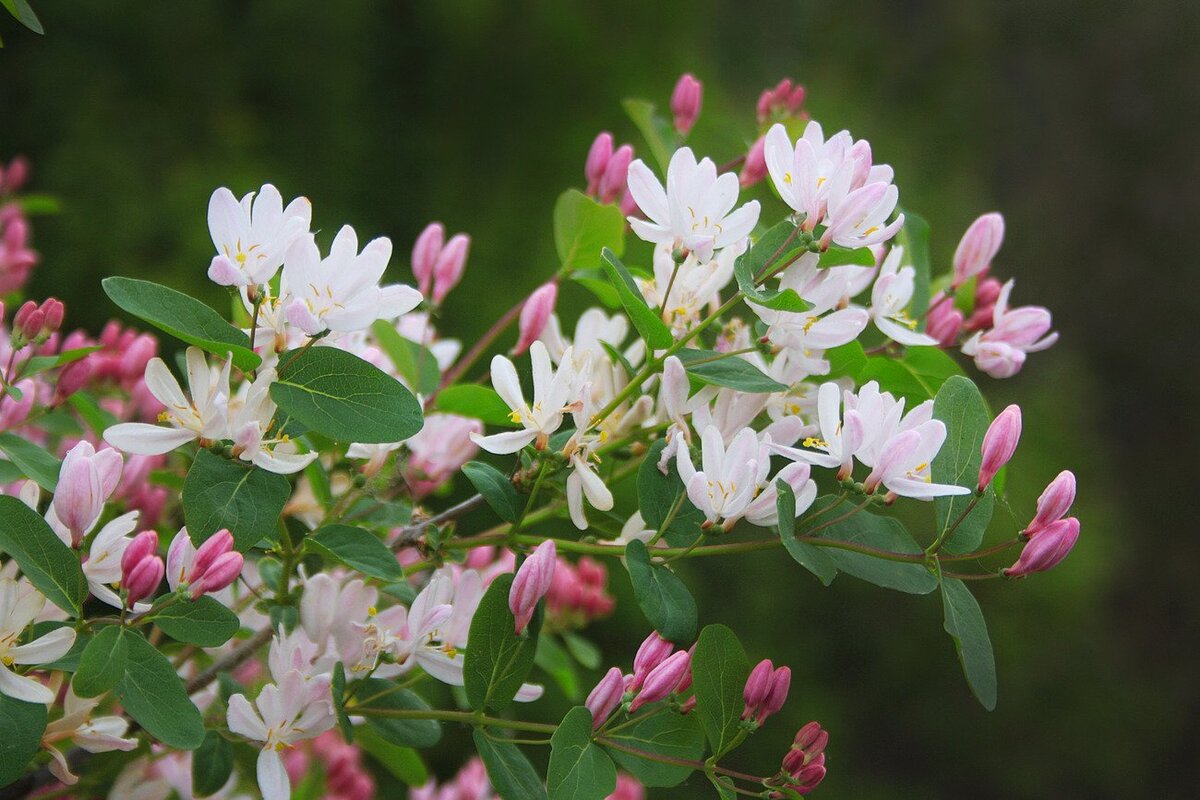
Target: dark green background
(1076, 119)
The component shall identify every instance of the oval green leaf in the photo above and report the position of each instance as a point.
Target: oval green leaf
(220, 493)
(579, 769)
(203, 621)
(49, 564)
(102, 663)
(154, 695)
(662, 596)
(497, 660)
(357, 549)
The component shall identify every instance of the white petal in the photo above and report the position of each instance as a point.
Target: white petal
(51, 647)
(244, 720)
(272, 776)
(504, 443)
(143, 439)
(20, 687)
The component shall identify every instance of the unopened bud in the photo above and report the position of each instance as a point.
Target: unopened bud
(777, 692)
(978, 247)
(999, 444)
(944, 322)
(598, 157)
(451, 264)
(141, 568)
(1054, 502)
(652, 652)
(1046, 549)
(425, 254)
(54, 312)
(214, 546)
(616, 173)
(535, 313)
(223, 571)
(757, 686)
(663, 680)
(531, 583)
(685, 102)
(605, 698)
(755, 168)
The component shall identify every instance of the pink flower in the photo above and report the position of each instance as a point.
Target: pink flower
(535, 313)
(141, 568)
(425, 254)
(999, 444)
(531, 583)
(755, 168)
(85, 482)
(1001, 351)
(208, 568)
(606, 696)
(766, 691)
(685, 102)
(450, 266)
(628, 788)
(598, 157)
(652, 652)
(613, 181)
(663, 680)
(1053, 503)
(1047, 548)
(978, 247)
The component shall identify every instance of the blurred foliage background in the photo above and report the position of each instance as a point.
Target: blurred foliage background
(1075, 118)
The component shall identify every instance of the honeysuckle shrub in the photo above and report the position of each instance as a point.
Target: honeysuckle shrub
(228, 568)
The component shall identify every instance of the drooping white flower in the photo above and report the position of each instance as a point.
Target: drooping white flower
(202, 416)
(904, 463)
(727, 480)
(1001, 351)
(553, 392)
(252, 236)
(285, 713)
(341, 292)
(890, 298)
(840, 435)
(250, 424)
(103, 565)
(763, 510)
(685, 290)
(859, 218)
(20, 604)
(583, 458)
(695, 211)
(807, 333)
(93, 734)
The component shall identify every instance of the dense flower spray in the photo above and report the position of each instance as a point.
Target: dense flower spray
(241, 559)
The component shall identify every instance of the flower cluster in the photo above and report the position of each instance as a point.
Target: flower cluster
(262, 544)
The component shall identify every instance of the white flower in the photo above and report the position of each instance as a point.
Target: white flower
(341, 292)
(1000, 351)
(552, 394)
(103, 565)
(803, 174)
(95, 735)
(582, 457)
(839, 437)
(201, 417)
(904, 460)
(890, 298)
(251, 419)
(763, 510)
(859, 218)
(693, 284)
(252, 236)
(593, 330)
(727, 480)
(693, 212)
(288, 712)
(20, 604)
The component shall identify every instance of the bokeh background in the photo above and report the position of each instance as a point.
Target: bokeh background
(1076, 118)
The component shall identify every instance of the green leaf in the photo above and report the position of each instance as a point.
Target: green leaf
(183, 317)
(357, 549)
(597, 283)
(154, 695)
(212, 764)
(719, 672)
(338, 394)
(337, 688)
(42, 363)
(203, 621)
(657, 130)
(220, 493)
(383, 695)
(511, 774)
(412, 360)
(34, 462)
(844, 257)
(583, 651)
(551, 658)
(497, 660)
(583, 227)
(22, 12)
(102, 663)
(733, 372)
(476, 402)
(659, 494)
(916, 377)
(869, 530)
(38, 204)
(775, 248)
(579, 769)
(960, 405)
(49, 564)
(965, 623)
(97, 418)
(664, 599)
(21, 727)
(676, 736)
(811, 557)
(649, 325)
(845, 361)
(914, 237)
(496, 488)
(402, 762)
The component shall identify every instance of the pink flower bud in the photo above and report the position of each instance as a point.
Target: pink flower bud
(605, 698)
(987, 293)
(137, 356)
(757, 686)
(652, 652)
(1054, 502)
(999, 444)
(628, 788)
(531, 583)
(770, 98)
(663, 680)
(143, 579)
(54, 312)
(616, 173)
(598, 157)
(978, 247)
(143, 546)
(795, 99)
(450, 265)
(26, 322)
(425, 254)
(629, 206)
(86, 480)
(14, 412)
(685, 102)
(535, 313)
(214, 546)
(16, 175)
(220, 573)
(944, 322)
(777, 692)
(1047, 548)
(755, 168)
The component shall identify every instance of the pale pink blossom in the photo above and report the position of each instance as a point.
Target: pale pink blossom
(685, 102)
(253, 235)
